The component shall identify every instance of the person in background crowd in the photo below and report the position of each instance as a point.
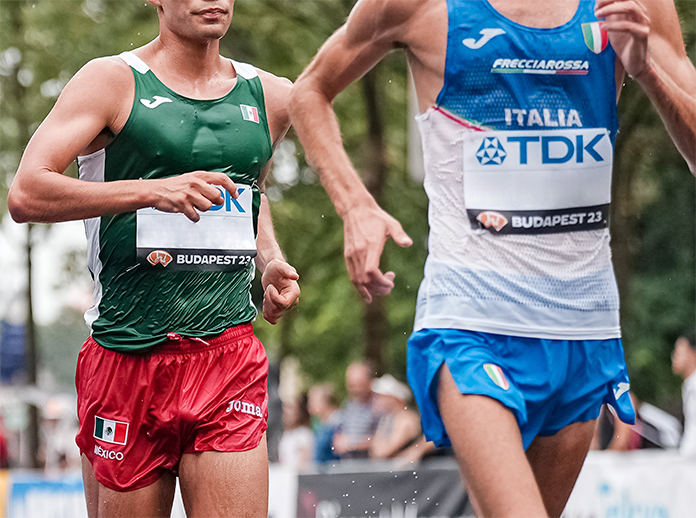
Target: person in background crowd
(684, 365)
(358, 420)
(296, 446)
(59, 429)
(516, 341)
(4, 454)
(399, 426)
(323, 405)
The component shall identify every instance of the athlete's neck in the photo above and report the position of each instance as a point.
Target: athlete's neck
(540, 14)
(191, 68)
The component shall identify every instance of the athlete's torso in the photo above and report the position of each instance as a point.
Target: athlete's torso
(518, 153)
(158, 273)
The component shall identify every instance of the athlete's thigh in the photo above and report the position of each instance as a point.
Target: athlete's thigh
(222, 484)
(556, 462)
(486, 438)
(152, 501)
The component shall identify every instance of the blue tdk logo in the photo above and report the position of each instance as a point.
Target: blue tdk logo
(527, 149)
(229, 201)
(557, 149)
(491, 152)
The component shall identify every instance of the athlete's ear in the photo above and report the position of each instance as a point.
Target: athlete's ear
(156, 3)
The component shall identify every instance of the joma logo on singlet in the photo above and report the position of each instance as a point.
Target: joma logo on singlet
(486, 36)
(157, 100)
(244, 407)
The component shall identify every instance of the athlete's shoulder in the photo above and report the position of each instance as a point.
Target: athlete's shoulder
(276, 93)
(104, 87)
(394, 11)
(110, 72)
(394, 23)
(274, 84)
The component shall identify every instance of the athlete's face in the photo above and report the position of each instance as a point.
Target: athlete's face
(683, 357)
(195, 19)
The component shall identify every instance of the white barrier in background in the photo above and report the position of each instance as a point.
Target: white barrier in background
(641, 484)
(638, 484)
(34, 495)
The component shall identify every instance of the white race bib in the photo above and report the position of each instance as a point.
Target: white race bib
(535, 182)
(222, 240)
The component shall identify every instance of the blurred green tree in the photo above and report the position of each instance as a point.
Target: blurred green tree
(652, 220)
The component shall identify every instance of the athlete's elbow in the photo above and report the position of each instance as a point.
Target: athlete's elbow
(16, 206)
(20, 205)
(306, 98)
(297, 95)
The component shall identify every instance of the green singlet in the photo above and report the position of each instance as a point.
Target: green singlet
(157, 273)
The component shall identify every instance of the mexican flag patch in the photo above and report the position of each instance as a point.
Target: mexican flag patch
(115, 432)
(595, 38)
(496, 374)
(249, 113)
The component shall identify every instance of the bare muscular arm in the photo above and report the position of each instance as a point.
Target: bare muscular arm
(374, 28)
(647, 38)
(91, 103)
(279, 279)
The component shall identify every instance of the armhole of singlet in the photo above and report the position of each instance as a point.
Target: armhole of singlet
(443, 91)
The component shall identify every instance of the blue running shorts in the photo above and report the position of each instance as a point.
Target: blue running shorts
(547, 384)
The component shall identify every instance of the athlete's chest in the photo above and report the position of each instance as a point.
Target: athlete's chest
(536, 13)
(173, 134)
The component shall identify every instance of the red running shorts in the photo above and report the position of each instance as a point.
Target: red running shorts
(139, 413)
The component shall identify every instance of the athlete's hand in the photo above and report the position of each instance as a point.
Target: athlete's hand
(366, 231)
(280, 289)
(628, 25)
(189, 192)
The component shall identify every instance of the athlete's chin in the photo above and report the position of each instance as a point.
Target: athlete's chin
(210, 31)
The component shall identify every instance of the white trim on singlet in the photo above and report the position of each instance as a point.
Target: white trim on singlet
(91, 168)
(134, 61)
(245, 70)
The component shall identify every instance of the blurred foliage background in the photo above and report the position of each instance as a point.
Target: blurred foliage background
(44, 42)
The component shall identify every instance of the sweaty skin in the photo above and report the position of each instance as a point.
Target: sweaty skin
(41, 193)
(185, 57)
(645, 34)
(502, 479)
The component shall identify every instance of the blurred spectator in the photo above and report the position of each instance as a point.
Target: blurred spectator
(399, 426)
(296, 446)
(323, 405)
(4, 454)
(615, 435)
(654, 428)
(59, 428)
(358, 418)
(684, 365)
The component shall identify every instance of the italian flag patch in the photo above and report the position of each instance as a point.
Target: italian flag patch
(115, 432)
(595, 38)
(496, 374)
(249, 113)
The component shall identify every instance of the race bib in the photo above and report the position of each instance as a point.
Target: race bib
(538, 182)
(222, 240)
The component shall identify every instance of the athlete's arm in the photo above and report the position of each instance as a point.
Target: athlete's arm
(279, 279)
(647, 38)
(91, 107)
(372, 30)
